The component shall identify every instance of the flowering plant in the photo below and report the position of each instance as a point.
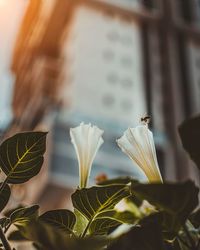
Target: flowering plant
(115, 214)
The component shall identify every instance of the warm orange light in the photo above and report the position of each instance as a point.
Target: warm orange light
(2, 2)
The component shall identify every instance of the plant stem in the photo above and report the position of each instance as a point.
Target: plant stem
(6, 228)
(183, 242)
(189, 237)
(86, 229)
(198, 245)
(3, 184)
(4, 240)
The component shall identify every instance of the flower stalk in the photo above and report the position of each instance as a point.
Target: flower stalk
(4, 240)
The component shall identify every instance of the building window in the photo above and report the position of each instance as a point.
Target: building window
(108, 100)
(108, 55)
(112, 78)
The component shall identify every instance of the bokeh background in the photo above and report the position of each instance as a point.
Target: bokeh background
(107, 62)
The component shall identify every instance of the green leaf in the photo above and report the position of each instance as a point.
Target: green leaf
(81, 223)
(110, 219)
(91, 201)
(178, 200)
(194, 232)
(16, 236)
(147, 237)
(61, 219)
(46, 237)
(4, 196)
(190, 135)
(133, 199)
(122, 217)
(21, 156)
(178, 246)
(8, 212)
(103, 226)
(195, 219)
(166, 222)
(4, 222)
(121, 180)
(23, 216)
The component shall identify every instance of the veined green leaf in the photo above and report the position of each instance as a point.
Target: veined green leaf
(91, 201)
(21, 156)
(105, 221)
(61, 219)
(4, 196)
(122, 217)
(103, 226)
(22, 216)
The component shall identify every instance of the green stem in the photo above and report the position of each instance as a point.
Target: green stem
(3, 184)
(198, 245)
(86, 229)
(4, 240)
(183, 242)
(6, 228)
(189, 237)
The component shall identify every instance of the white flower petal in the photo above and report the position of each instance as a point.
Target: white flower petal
(139, 145)
(122, 229)
(87, 140)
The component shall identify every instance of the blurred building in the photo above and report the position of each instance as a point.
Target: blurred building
(108, 62)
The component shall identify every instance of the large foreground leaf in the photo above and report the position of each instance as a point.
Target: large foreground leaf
(4, 196)
(91, 201)
(167, 222)
(62, 219)
(147, 237)
(47, 237)
(21, 156)
(177, 200)
(190, 135)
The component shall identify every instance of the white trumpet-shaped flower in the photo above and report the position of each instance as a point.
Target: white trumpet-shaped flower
(139, 145)
(86, 140)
